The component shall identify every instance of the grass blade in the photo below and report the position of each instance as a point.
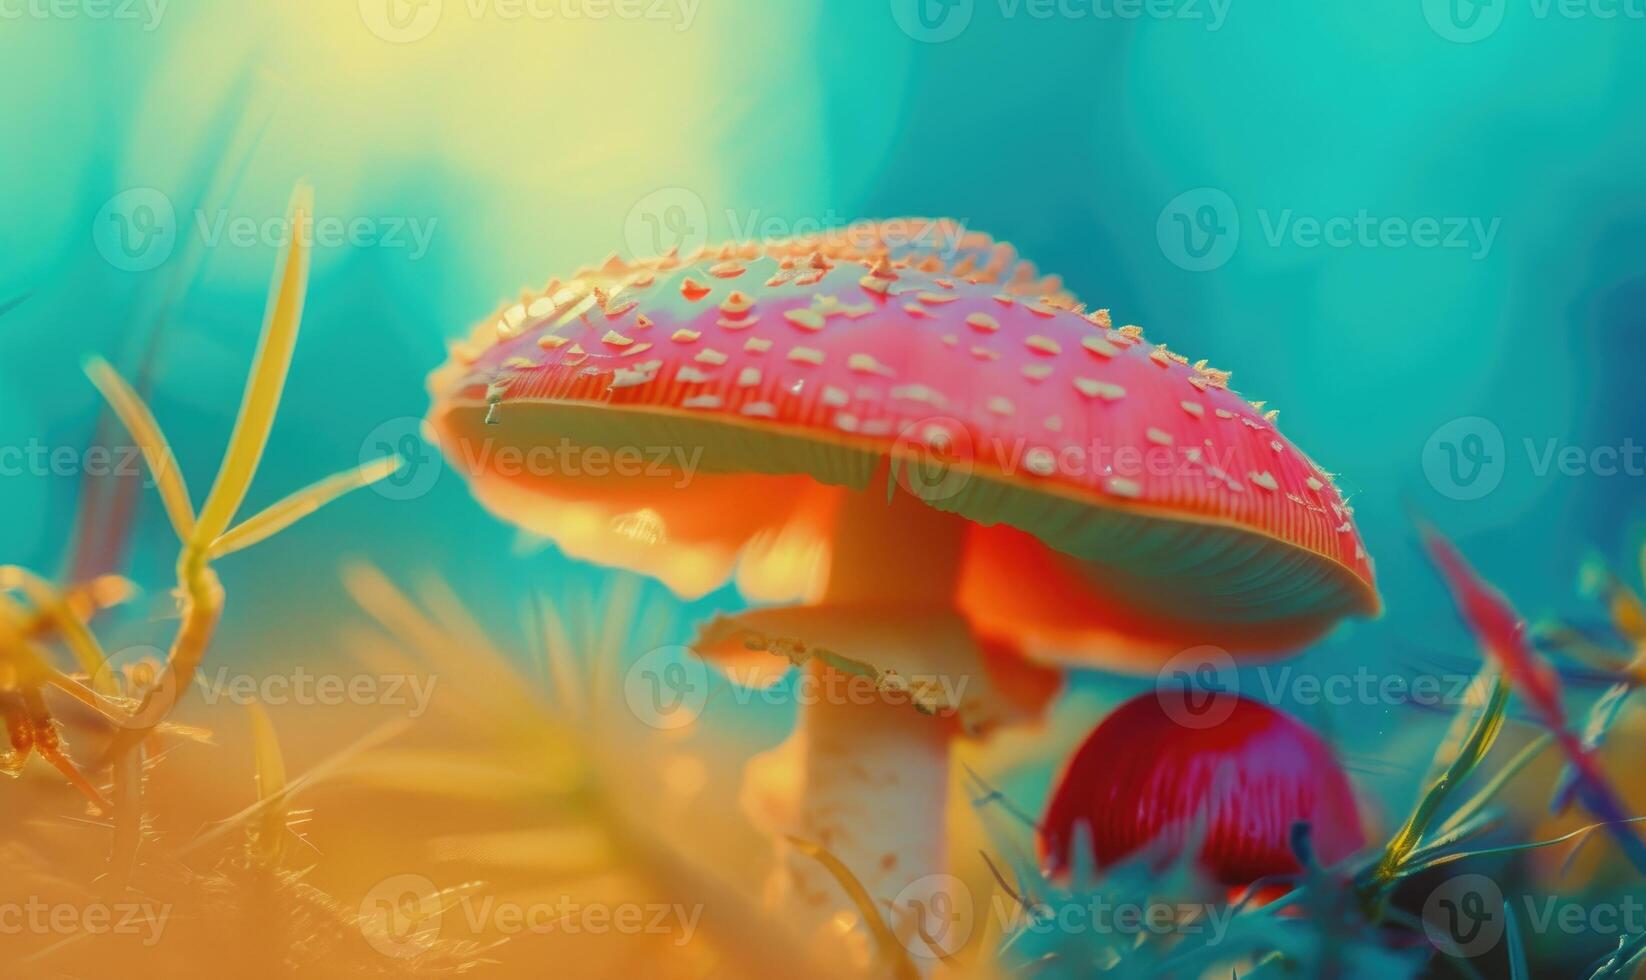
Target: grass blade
(885, 940)
(268, 378)
(301, 504)
(139, 422)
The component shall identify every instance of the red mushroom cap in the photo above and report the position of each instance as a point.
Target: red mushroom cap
(1141, 778)
(1123, 502)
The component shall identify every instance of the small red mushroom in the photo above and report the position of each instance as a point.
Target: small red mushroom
(1143, 780)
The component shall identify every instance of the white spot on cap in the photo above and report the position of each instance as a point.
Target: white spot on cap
(1040, 461)
(748, 377)
(1001, 406)
(835, 397)
(757, 345)
(1122, 487)
(866, 364)
(702, 401)
(1099, 389)
(709, 355)
(983, 321)
(691, 375)
(1159, 437)
(761, 410)
(1043, 345)
(1194, 408)
(805, 319)
(806, 355)
(1099, 346)
(684, 336)
(1265, 479)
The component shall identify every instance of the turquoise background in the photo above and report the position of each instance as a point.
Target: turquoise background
(528, 146)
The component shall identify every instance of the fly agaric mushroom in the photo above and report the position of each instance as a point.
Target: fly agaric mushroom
(928, 446)
(1142, 780)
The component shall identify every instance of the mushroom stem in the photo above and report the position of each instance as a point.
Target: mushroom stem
(872, 769)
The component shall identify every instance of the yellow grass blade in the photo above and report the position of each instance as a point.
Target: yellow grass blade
(271, 783)
(301, 504)
(139, 421)
(268, 378)
(55, 607)
(891, 950)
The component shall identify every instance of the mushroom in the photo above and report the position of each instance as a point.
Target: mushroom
(934, 455)
(1144, 782)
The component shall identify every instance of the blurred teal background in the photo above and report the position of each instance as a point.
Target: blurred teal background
(1168, 163)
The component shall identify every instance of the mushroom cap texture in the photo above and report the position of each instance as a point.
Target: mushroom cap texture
(697, 417)
(1143, 779)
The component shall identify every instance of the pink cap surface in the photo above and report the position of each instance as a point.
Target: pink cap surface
(1119, 496)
